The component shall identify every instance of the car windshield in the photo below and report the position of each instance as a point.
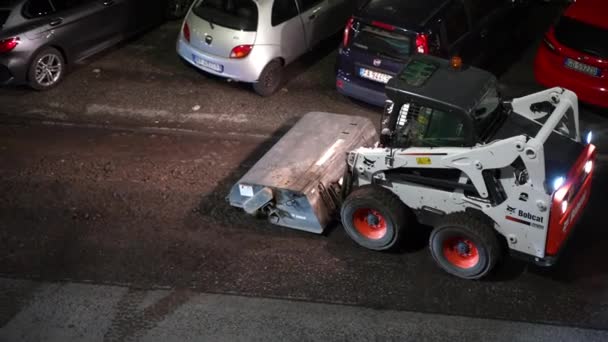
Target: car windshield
(387, 43)
(582, 37)
(234, 14)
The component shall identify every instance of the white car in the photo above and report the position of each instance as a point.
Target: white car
(252, 40)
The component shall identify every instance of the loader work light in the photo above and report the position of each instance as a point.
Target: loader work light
(588, 166)
(558, 182)
(589, 137)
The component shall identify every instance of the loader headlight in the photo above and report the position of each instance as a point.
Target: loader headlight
(558, 182)
(564, 206)
(589, 137)
(588, 166)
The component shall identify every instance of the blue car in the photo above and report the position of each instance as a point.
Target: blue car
(383, 34)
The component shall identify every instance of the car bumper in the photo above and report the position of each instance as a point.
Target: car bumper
(348, 88)
(12, 71)
(245, 70)
(550, 72)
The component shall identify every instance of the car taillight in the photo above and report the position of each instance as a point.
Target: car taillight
(186, 31)
(347, 29)
(422, 43)
(241, 51)
(9, 44)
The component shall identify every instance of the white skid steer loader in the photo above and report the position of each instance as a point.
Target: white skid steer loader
(488, 175)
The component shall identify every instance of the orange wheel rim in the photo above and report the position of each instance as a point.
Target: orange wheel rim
(370, 223)
(461, 252)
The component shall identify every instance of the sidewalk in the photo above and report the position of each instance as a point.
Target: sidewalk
(40, 311)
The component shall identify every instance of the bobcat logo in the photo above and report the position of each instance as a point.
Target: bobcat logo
(511, 210)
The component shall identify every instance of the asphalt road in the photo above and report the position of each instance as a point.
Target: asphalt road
(143, 205)
(148, 210)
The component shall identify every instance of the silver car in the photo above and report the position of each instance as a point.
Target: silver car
(40, 39)
(252, 40)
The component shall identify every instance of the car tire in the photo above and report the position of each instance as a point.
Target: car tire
(177, 9)
(270, 79)
(465, 245)
(374, 217)
(46, 69)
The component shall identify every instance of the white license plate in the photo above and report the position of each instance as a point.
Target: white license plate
(374, 75)
(582, 67)
(206, 64)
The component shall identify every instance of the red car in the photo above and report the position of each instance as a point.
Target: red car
(574, 53)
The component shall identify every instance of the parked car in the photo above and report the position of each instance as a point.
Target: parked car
(39, 39)
(382, 34)
(251, 41)
(574, 52)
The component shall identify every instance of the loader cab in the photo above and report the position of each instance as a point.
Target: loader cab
(435, 102)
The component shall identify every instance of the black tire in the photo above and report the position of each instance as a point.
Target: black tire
(46, 54)
(374, 217)
(347, 184)
(465, 245)
(177, 9)
(270, 79)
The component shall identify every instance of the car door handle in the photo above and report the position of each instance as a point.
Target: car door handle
(56, 21)
(315, 13)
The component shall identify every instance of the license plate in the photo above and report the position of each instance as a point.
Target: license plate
(582, 67)
(374, 75)
(206, 64)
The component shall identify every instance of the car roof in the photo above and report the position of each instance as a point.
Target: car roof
(592, 12)
(409, 14)
(445, 88)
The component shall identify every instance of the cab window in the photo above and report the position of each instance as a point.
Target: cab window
(283, 10)
(37, 9)
(427, 127)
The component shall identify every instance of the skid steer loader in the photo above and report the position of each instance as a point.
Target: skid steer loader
(488, 175)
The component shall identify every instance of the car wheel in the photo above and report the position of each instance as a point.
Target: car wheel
(374, 217)
(270, 79)
(177, 9)
(46, 69)
(465, 245)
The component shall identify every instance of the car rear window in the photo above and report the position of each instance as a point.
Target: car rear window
(3, 16)
(391, 44)
(582, 37)
(234, 14)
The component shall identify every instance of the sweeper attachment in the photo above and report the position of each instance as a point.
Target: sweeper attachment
(296, 183)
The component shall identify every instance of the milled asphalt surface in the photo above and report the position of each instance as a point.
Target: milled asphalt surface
(141, 208)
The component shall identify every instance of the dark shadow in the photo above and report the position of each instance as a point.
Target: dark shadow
(537, 19)
(311, 58)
